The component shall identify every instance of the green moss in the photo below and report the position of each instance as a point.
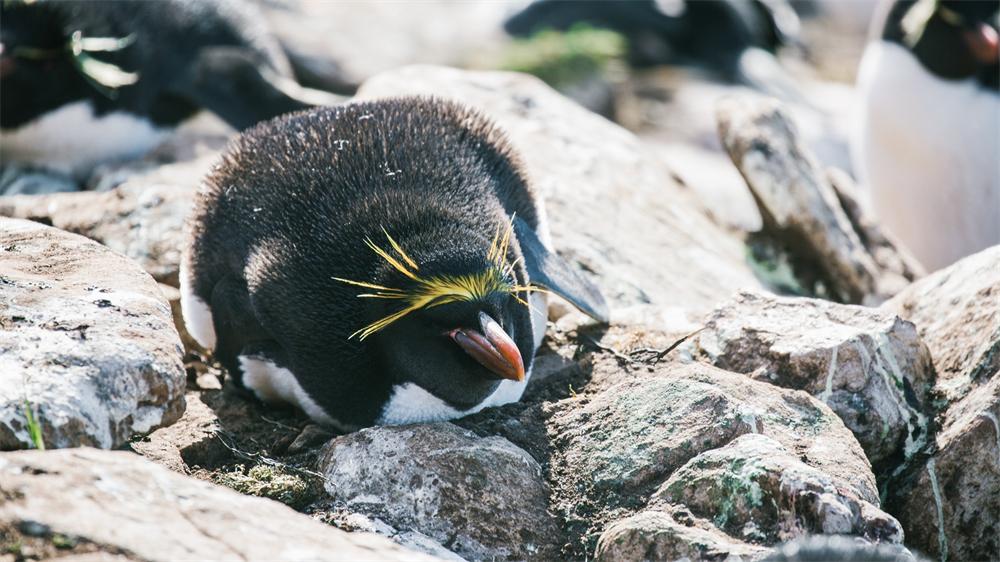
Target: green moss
(269, 482)
(563, 58)
(63, 542)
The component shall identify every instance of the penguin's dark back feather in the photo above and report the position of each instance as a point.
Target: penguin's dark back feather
(292, 201)
(168, 35)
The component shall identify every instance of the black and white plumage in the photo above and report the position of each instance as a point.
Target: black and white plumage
(87, 82)
(319, 228)
(929, 129)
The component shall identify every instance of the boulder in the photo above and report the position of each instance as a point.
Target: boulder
(670, 534)
(949, 503)
(612, 207)
(803, 214)
(652, 439)
(483, 498)
(125, 505)
(87, 341)
(143, 218)
(868, 365)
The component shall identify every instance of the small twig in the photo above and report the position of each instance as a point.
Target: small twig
(619, 355)
(279, 424)
(659, 354)
(257, 457)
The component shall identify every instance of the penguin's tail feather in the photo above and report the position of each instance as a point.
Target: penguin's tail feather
(319, 73)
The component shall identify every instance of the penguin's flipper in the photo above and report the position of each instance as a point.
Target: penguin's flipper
(551, 272)
(228, 82)
(236, 326)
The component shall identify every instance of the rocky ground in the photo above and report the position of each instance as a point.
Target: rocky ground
(775, 369)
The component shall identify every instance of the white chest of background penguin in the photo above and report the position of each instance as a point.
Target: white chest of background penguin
(374, 263)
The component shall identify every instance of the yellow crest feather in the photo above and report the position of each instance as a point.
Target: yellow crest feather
(441, 289)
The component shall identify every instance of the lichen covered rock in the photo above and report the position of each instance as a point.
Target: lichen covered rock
(868, 365)
(87, 341)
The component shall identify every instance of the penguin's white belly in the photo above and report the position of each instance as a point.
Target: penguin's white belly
(927, 150)
(276, 385)
(73, 140)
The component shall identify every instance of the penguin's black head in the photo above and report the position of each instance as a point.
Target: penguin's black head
(36, 69)
(455, 322)
(954, 39)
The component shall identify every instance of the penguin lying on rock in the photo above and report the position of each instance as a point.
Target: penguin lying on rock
(88, 82)
(929, 133)
(383, 262)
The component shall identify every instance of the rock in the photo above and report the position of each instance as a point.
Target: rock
(949, 504)
(614, 449)
(757, 489)
(18, 180)
(125, 504)
(311, 436)
(482, 498)
(86, 338)
(799, 207)
(835, 548)
(659, 248)
(190, 441)
(868, 365)
(658, 535)
(143, 218)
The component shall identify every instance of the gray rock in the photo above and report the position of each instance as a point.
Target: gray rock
(17, 180)
(757, 489)
(612, 207)
(661, 534)
(949, 504)
(799, 206)
(143, 218)
(482, 498)
(868, 365)
(834, 548)
(615, 448)
(126, 504)
(86, 338)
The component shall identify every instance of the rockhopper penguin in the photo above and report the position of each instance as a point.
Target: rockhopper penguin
(381, 262)
(88, 82)
(929, 126)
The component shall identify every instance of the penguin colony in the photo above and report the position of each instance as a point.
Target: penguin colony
(87, 82)
(374, 263)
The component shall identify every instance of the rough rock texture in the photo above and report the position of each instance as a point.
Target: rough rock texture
(758, 489)
(949, 504)
(799, 206)
(838, 548)
(85, 337)
(669, 534)
(482, 498)
(615, 448)
(143, 218)
(868, 365)
(612, 207)
(126, 504)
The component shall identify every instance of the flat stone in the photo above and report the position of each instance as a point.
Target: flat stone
(143, 218)
(124, 503)
(87, 339)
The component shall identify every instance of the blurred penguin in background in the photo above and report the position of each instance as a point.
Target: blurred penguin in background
(89, 82)
(733, 39)
(928, 138)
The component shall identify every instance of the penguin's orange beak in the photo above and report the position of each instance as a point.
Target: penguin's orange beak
(984, 43)
(491, 347)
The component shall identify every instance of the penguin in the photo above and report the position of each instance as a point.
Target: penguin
(87, 82)
(928, 129)
(380, 262)
(732, 38)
